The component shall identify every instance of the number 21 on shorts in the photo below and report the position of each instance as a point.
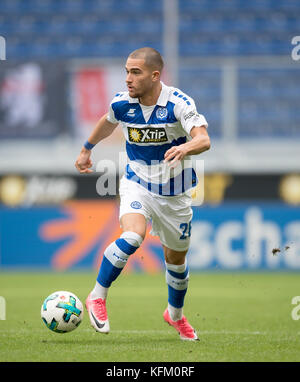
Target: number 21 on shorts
(186, 230)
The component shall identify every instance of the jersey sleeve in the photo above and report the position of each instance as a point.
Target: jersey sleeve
(186, 113)
(111, 115)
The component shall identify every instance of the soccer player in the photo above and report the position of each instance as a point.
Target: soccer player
(162, 129)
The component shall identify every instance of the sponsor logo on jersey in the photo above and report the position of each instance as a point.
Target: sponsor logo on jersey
(147, 134)
(190, 115)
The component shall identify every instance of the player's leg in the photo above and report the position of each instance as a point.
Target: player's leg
(133, 221)
(177, 277)
(117, 253)
(171, 221)
(114, 260)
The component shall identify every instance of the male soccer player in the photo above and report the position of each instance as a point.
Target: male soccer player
(162, 129)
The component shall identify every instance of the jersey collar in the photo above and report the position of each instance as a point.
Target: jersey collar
(162, 99)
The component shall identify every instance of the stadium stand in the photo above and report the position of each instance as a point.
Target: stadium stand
(110, 28)
(237, 27)
(204, 86)
(268, 103)
(89, 28)
(55, 29)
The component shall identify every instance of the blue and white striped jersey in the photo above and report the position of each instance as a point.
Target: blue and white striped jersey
(150, 131)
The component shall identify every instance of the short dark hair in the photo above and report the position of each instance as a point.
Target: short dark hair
(151, 56)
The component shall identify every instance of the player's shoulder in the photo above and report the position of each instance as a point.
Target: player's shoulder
(120, 97)
(178, 97)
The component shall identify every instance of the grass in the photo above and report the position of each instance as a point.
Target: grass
(238, 316)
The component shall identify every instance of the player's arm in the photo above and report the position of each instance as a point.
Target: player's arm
(102, 130)
(199, 143)
(195, 125)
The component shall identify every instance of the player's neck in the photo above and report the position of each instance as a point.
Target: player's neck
(151, 98)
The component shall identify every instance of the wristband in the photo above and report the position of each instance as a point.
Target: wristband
(88, 145)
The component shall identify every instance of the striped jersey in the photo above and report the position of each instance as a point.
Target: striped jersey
(150, 131)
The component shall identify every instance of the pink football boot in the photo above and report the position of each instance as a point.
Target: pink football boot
(182, 326)
(98, 314)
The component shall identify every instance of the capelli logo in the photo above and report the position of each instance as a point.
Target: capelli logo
(2, 48)
(296, 50)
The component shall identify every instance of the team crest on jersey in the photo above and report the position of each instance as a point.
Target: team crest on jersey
(147, 134)
(161, 113)
(136, 205)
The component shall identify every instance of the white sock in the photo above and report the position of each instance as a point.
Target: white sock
(175, 313)
(99, 292)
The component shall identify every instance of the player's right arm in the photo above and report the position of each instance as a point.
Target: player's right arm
(103, 129)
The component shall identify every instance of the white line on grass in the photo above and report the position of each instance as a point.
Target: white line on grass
(170, 331)
(167, 331)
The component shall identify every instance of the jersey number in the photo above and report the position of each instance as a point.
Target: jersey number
(186, 230)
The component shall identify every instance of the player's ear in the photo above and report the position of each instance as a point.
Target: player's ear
(155, 75)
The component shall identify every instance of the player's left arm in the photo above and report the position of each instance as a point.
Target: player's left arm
(199, 143)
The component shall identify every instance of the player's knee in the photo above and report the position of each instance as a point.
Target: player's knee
(134, 223)
(174, 257)
(132, 238)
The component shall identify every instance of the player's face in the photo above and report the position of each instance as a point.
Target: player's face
(139, 78)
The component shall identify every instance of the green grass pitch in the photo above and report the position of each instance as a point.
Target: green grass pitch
(238, 316)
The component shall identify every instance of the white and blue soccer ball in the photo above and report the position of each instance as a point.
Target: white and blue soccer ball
(62, 312)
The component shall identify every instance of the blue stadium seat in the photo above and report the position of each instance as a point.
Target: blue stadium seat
(55, 29)
(268, 103)
(204, 86)
(215, 28)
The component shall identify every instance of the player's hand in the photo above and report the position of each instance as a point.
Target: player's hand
(174, 155)
(84, 163)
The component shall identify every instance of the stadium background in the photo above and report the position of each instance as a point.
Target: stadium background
(65, 61)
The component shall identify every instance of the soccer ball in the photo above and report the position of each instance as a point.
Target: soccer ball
(62, 312)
